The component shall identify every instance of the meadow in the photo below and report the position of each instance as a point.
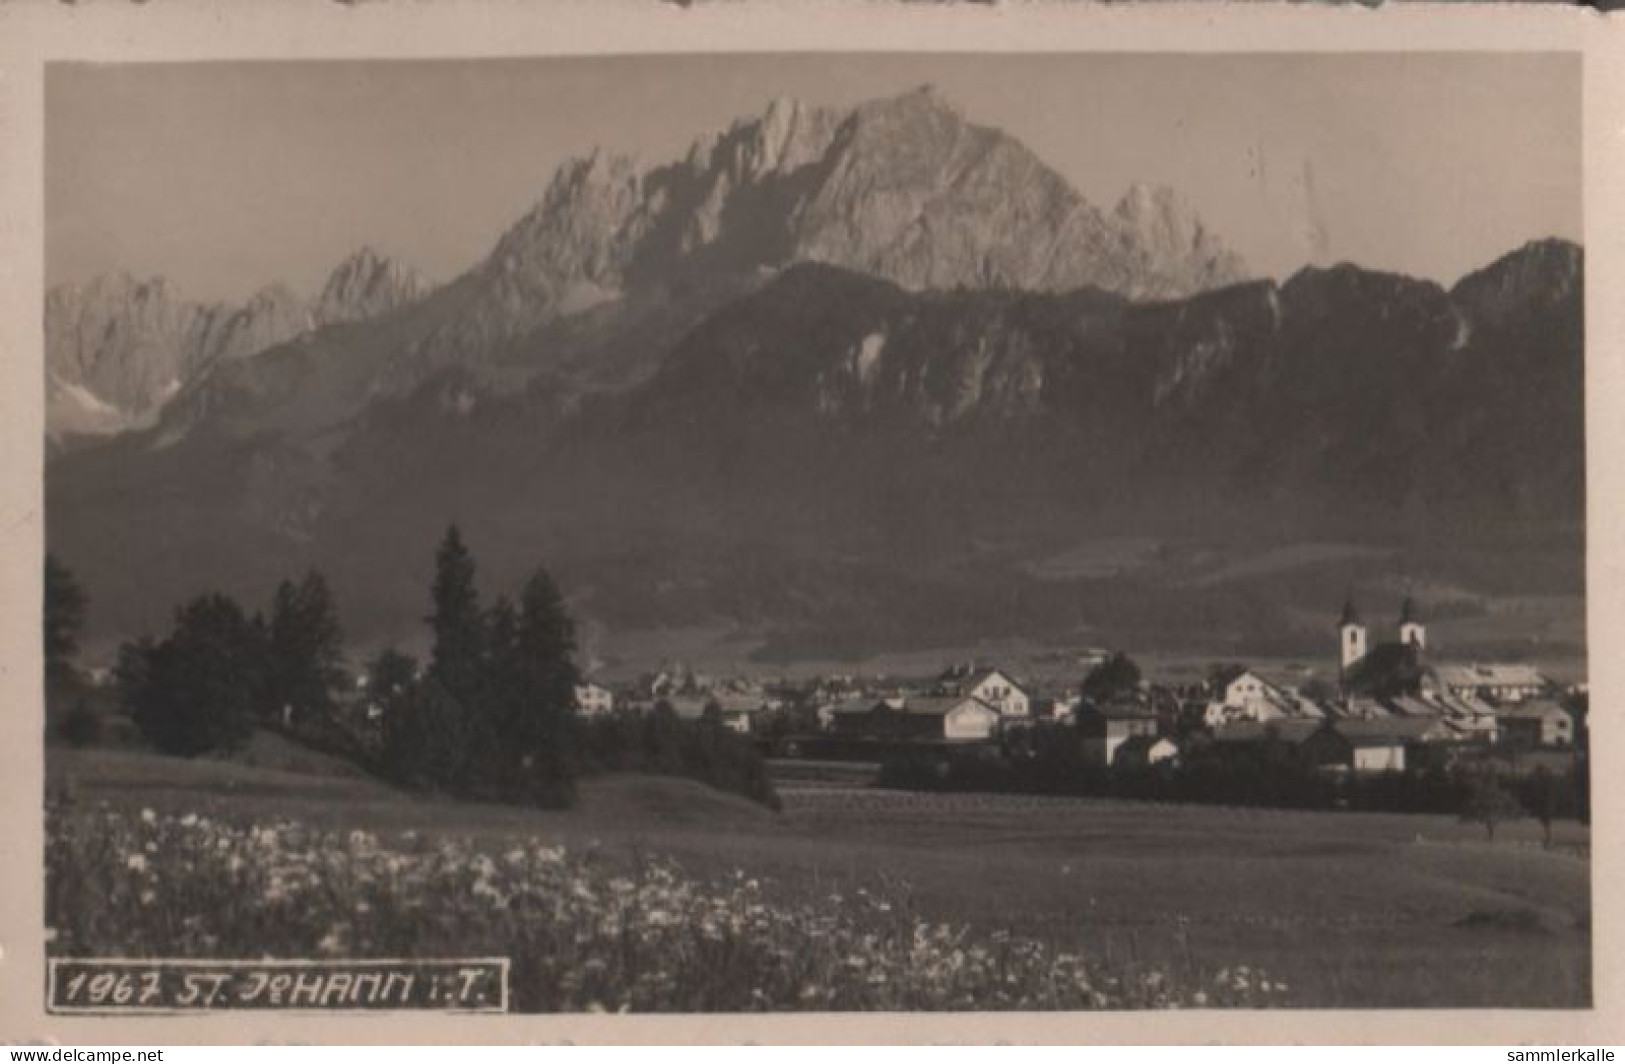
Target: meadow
(660, 894)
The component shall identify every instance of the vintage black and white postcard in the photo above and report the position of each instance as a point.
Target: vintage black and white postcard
(540, 514)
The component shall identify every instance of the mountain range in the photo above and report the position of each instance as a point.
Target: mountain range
(117, 348)
(834, 383)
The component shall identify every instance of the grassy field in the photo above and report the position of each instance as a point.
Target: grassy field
(1343, 909)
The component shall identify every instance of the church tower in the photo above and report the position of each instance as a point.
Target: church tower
(1412, 633)
(1351, 636)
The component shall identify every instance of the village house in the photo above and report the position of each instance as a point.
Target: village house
(992, 686)
(1243, 694)
(845, 716)
(949, 717)
(1536, 722)
(1495, 683)
(1387, 744)
(1252, 734)
(734, 717)
(594, 700)
(1361, 707)
(1102, 730)
(963, 717)
(1469, 716)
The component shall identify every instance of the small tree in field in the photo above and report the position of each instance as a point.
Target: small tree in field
(1541, 797)
(1489, 803)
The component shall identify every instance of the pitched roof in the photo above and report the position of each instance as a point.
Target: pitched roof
(1252, 731)
(970, 675)
(1121, 711)
(1534, 709)
(1360, 708)
(940, 706)
(984, 674)
(1456, 705)
(1389, 730)
(731, 702)
(1489, 675)
(855, 705)
(1350, 614)
(1411, 706)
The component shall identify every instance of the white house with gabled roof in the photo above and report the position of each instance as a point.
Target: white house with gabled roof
(993, 686)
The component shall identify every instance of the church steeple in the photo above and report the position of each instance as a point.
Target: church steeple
(1411, 630)
(1351, 635)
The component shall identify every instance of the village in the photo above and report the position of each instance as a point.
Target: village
(1392, 709)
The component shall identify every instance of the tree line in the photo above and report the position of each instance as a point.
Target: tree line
(491, 716)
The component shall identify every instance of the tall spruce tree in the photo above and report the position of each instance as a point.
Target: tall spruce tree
(504, 679)
(305, 652)
(543, 732)
(456, 661)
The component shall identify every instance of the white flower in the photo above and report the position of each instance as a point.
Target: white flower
(136, 862)
(148, 817)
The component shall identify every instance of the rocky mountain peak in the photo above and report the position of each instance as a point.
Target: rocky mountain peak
(786, 137)
(366, 285)
(1164, 225)
(118, 347)
(1547, 271)
(923, 103)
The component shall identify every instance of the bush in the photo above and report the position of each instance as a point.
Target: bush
(82, 726)
(1488, 802)
(662, 743)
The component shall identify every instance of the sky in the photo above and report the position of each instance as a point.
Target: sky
(225, 177)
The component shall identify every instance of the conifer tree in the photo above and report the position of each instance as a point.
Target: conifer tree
(457, 623)
(543, 731)
(306, 647)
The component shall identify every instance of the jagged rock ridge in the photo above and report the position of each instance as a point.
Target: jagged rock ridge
(904, 189)
(366, 285)
(117, 347)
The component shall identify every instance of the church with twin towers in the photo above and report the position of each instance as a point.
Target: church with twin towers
(1354, 637)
